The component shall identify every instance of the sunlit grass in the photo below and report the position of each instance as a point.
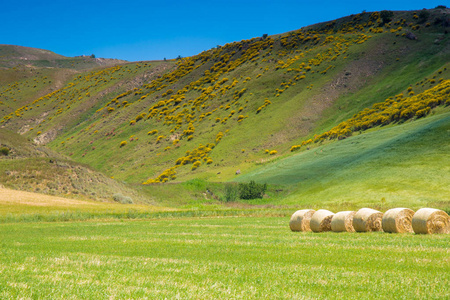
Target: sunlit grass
(213, 258)
(403, 165)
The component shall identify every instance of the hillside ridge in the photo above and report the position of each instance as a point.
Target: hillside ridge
(14, 56)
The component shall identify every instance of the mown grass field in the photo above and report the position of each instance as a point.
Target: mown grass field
(25, 207)
(21, 206)
(212, 258)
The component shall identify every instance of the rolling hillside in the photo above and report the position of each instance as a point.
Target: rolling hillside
(253, 104)
(33, 168)
(407, 165)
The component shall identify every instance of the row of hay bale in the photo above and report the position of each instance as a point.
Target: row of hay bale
(396, 220)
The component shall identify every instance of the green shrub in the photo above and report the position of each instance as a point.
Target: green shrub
(423, 16)
(252, 190)
(231, 192)
(386, 16)
(4, 151)
(122, 199)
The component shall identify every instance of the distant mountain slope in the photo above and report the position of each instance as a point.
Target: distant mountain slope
(13, 56)
(240, 105)
(9, 53)
(29, 73)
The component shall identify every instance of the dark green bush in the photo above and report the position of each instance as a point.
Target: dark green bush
(252, 190)
(423, 16)
(4, 151)
(386, 16)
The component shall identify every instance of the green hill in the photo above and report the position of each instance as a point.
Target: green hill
(244, 105)
(404, 165)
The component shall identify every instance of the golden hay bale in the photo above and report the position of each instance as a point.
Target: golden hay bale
(343, 221)
(430, 220)
(398, 220)
(321, 220)
(300, 220)
(367, 219)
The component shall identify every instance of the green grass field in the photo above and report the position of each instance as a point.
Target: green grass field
(216, 258)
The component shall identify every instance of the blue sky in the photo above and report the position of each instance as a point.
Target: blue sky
(147, 30)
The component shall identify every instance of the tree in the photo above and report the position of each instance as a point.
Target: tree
(92, 55)
(423, 16)
(264, 36)
(386, 16)
(251, 190)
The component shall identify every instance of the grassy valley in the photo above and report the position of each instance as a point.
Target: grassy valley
(251, 106)
(122, 179)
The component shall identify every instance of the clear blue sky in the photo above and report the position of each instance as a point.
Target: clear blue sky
(146, 30)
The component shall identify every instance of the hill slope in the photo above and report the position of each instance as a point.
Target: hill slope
(15, 56)
(230, 107)
(407, 165)
(29, 167)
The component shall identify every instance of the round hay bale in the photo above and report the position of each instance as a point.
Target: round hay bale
(321, 220)
(343, 221)
(430, 220)
(300, 220)
(367, 219)
(398, 220)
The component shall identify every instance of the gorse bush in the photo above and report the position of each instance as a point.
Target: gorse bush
(196, 164)
(251, 190)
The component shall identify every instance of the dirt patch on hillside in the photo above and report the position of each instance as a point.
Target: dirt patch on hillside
(357, 74)
(46, 137)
